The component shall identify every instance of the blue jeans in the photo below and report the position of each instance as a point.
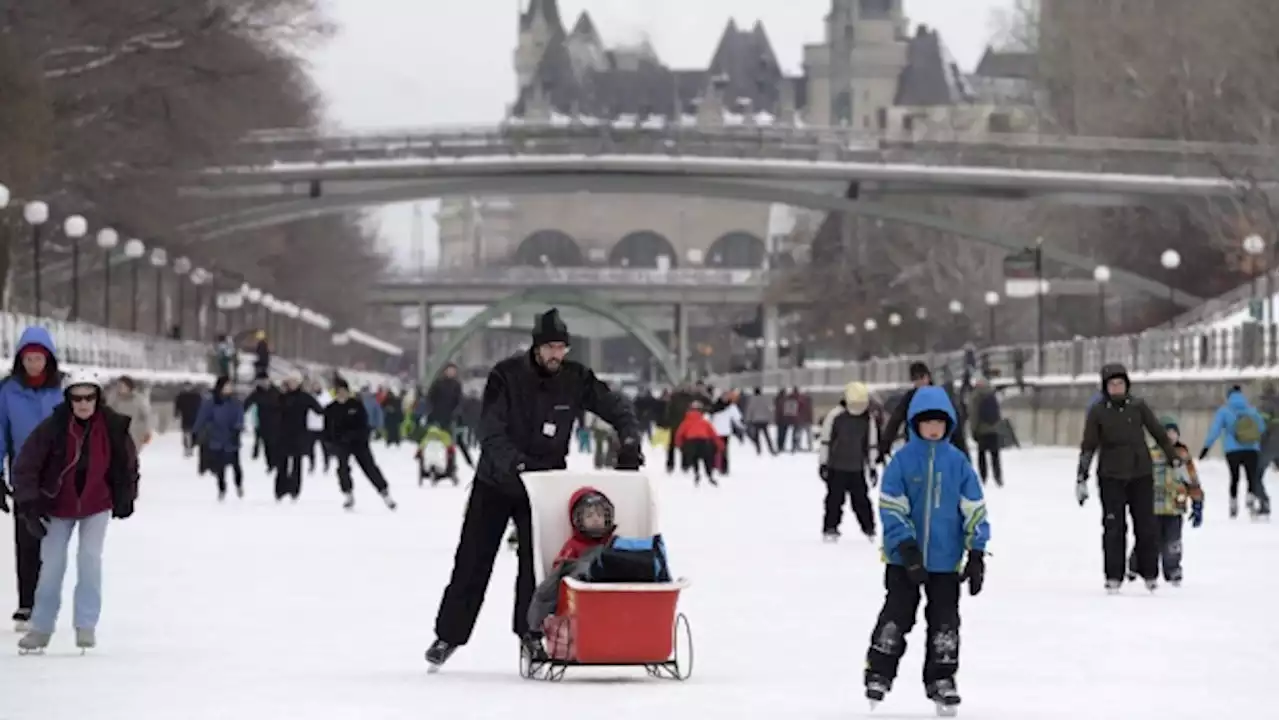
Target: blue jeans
(53, 566)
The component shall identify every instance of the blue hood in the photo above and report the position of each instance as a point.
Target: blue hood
(929, 397)
(1237, 401)
(36, 335)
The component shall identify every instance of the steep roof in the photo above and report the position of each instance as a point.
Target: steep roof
(548, 9)
(1006, 64)
(931, 76)
(584, 27)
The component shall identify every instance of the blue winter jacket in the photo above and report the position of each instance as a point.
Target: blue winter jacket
(22, 408)
(1224, 423)
(221, 424)
(930, 494)
(372, 409)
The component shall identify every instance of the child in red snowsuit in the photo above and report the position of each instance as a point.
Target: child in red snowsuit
(699, 444)
(591, 517)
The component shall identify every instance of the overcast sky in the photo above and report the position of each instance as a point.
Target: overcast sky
(420, 63)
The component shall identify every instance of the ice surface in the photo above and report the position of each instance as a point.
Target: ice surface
(257, 611)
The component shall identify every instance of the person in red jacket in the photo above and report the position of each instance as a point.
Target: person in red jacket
(699, 444)
(591, 517)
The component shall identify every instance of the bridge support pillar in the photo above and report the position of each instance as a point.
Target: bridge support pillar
(682, 340)
(595, 354)
(769, 333)
(424, 341)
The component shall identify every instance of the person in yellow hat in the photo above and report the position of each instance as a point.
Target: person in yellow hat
(844, 461)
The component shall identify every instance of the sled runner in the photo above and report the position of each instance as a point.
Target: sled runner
(605, 624)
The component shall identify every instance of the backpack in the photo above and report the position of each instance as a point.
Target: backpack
(632, 560)
(1246, 430)
(989, 410)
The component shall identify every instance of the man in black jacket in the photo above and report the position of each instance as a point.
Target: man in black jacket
(920, 377)
(186, 405)
(346, 431)
(1115, 425)
(529, 404)
(292, 436)
(443, 398)
(266, 399)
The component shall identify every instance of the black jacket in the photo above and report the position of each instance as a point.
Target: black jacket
(443, 398)
(1116, 431)
(294, 406)
(346, 424)
(267, 401)
(893, 426)
(846, 440)
(527, 416)
(186, 406)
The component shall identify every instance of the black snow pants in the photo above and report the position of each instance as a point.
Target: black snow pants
(314, 440)
(842, 483)
(489, 510)
(724, 454)
(289, 475)
(219, 461)
(700, 455)
(1245, 462)
(1169, 528)
(898, 616)
(1138, 496)
(364, 458)
(26, 552)
(989, 446)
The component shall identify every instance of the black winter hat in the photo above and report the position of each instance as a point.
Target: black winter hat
(1113, 370)
(549, 328)
(919, 370)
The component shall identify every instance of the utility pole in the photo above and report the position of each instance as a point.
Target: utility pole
(418, 241)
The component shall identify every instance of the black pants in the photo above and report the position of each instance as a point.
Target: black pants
(700, 455)
(671, 452)
(842, 483)
(1243, 461)
(989, 445)
(364, 458)
(219, 461)
(289, 475)
(26, 552)
(314, 440)
(392, 430)
(724, 455)
(1138, 495)
(898, 616)
(488, 512)
(783, 429)
(759, 433)
(1169, 531)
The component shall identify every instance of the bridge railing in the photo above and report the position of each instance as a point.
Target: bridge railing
(585, 277)
(1171, 355)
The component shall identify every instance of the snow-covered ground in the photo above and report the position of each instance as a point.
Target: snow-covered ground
(258, 611)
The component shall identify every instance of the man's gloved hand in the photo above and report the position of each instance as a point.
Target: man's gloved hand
(1197, 513)
(873, 476)
(35, 521)
(913, 561)
(4, 498)
(1204, 453)
(975, 571)
(630, 457)
(823, 472)
(1082, 489)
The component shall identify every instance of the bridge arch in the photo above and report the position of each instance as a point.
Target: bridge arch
(641, 249)
(276, 213)
(548, 247)
(737, 249)
(554, 297)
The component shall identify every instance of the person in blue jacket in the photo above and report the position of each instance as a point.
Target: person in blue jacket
(935, 536)
(28, 396)
(1241, 428)
(220, 423)
(372, 409)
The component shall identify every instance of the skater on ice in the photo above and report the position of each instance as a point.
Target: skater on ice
(77, 470)
(699, 444)
(844, 462)
(27, 396)
(264, 401)
(935, 537)
(1241, 428)
(346, 429)
(293, 436)
(219, 424)
(529, 404)
(1116, 429)
(1173, 488)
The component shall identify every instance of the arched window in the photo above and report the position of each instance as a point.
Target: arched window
(548, 247)
(641, 249)
(737, 249)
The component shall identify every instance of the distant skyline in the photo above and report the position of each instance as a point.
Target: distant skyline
(412, 64)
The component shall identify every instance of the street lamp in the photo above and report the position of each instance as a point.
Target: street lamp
(1254, 245)
(159, 258)
(36, 214)
(4, 196)
(955, 307)
(181, 266)
(108, 238)
(895, 319)
(1170, 260)
(74, 228)
(199, 277)
(1102, 276)
(870, 325)
(992, 299)
(134, 250)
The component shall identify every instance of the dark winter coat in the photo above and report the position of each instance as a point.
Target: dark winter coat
(45, 478)
(346, 424)
(186, 407)
(677, 407)
(1116, 430)
(893, 428)
(984, 411)
(527, 416)
(845, 440)
(267, 401)
(220, 423)
(443, 399)
(293, 435)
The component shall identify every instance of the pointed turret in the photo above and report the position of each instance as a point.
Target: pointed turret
(584, 27)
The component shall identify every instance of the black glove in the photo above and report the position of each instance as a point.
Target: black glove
(4, 496)
(629, 456)
(975, 570)
(823, 472)
(34, 521)
(882, 458)
(1204, 453)
(873, 476)
(913, 561)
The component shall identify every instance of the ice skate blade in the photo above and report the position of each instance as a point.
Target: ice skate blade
(871, 704)
(432, 668)
(946, 710)
(30, 651)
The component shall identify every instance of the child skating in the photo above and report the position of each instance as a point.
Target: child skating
(935, 536)
(1173, 487)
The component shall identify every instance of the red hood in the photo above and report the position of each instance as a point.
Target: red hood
(573, 500)
(694, 415)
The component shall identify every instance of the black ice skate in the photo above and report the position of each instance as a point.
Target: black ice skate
(349, 501)
(386, 498)
(22, 620)
(1113, 587)
(946, 699)
(1151, 584)
(438, 654)
(531, 646)
(877, 688)
(830, 536)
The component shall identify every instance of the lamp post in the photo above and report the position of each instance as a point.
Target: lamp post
(134, 250)
(4, 196)
(1170, 260)
(36, 214)
(107, 240)
(1102, 276)
(1254, 245)
(992, 299)
(75, 228)
(199, 277)
(159, 258)
(181, 266)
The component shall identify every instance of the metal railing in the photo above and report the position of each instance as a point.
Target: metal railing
(1160, 354)
(758, 141)
(584, 277)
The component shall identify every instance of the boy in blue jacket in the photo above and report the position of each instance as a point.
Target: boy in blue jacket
(933, 515)
(1241, 428)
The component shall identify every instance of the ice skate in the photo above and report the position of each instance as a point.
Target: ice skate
(531, 643)
(877, 688)
(22, 620)
(33, 643)
(1233, 507)
(1113, 587)
(831, 536)
(348, 501)
(222, 494)
(946, 699)
(1151, 584)
(386, 498)
(438, 654)
(86, 639)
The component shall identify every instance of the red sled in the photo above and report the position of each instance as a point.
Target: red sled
(605, 624)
